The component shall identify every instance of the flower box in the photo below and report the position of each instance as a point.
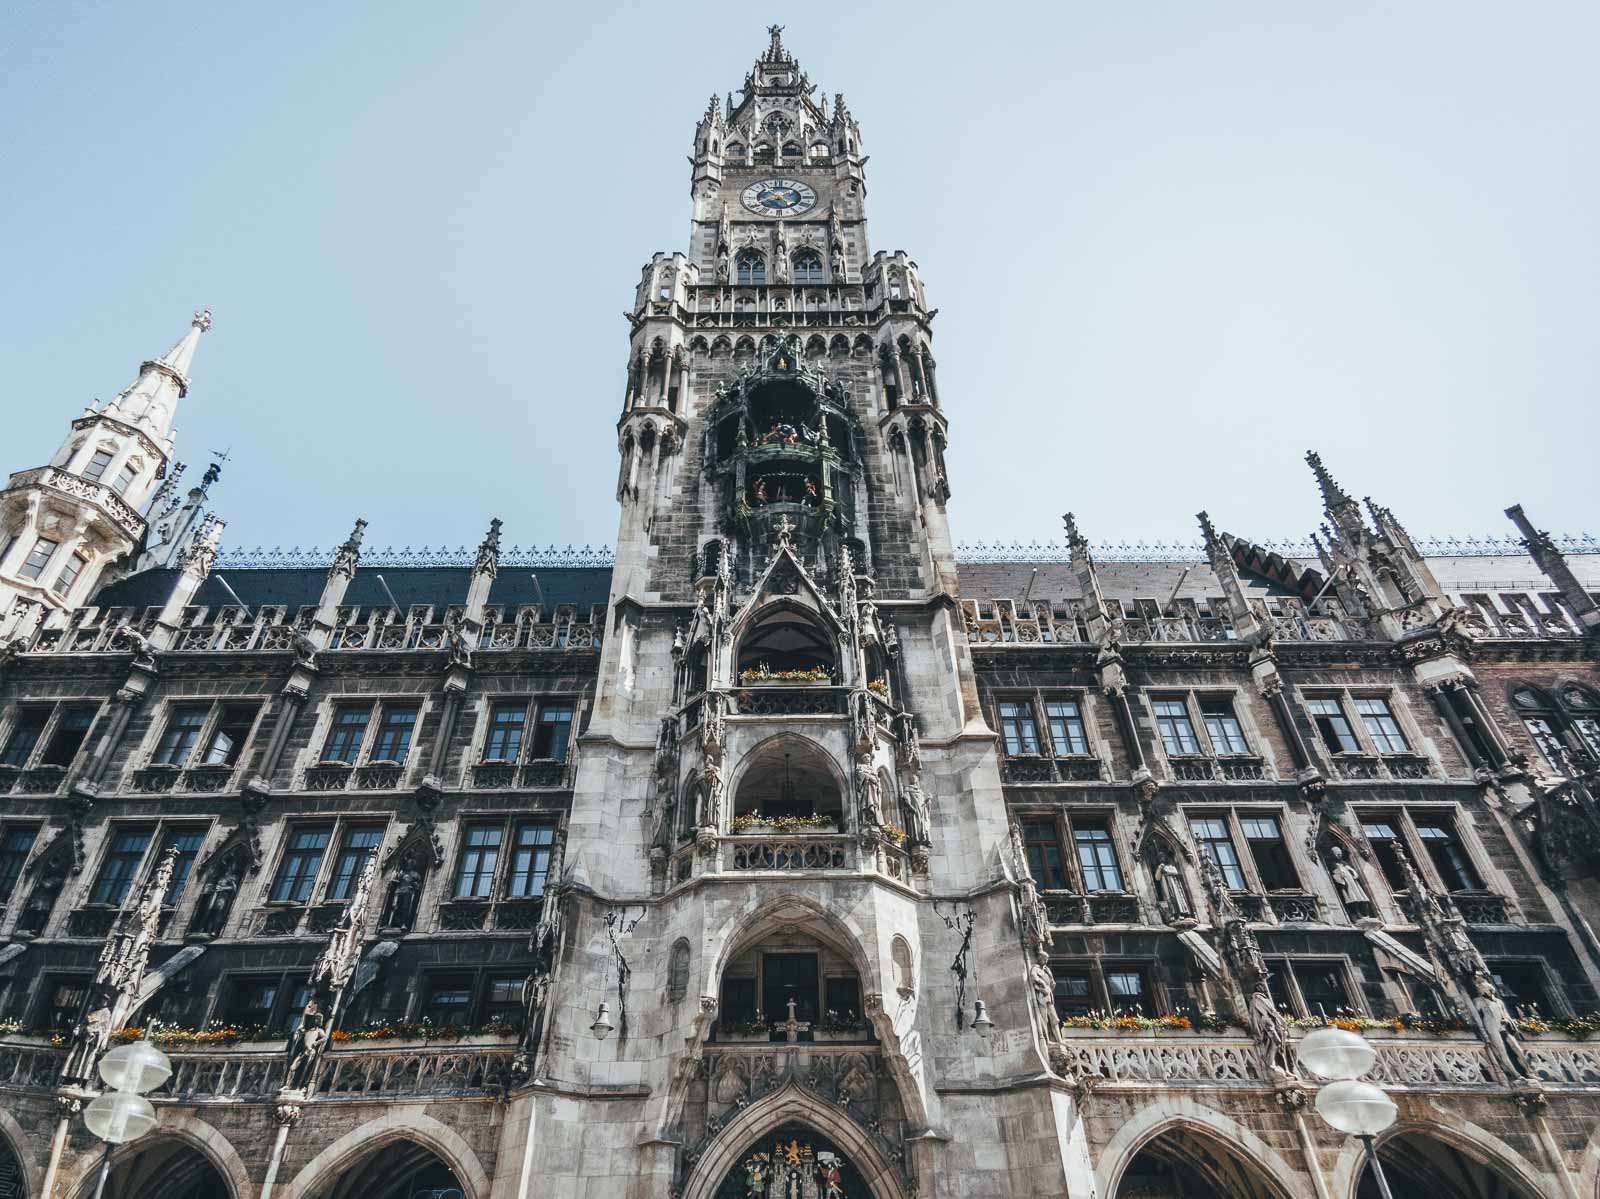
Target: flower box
(729, 1037)
(831, 828)
(826, 1037)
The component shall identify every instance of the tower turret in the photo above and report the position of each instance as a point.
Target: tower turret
(63, 525)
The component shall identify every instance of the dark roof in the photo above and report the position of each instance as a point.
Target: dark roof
(583, 586)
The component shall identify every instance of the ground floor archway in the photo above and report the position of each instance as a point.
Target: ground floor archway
(793, 1161)
(166, 1168)
(1180, 1163)
(1417, 1164)
(398, 1169)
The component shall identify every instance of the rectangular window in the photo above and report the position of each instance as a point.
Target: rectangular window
(1278, 988)
(15, 846)
(1448, 855)
(1073, 994)
(1177, 730)
(552, 732)
(502, 999)
(449, 1002)
(122, 860)
(358, 845)
(1222, 726)
(96, 466)
(252, 1002)
(69, 574)
(1548, 740)
(1043, 845)
(348, 732)
(301, 861)
(24, 736)
(38, 558)
(228, 738)
(187, 842)
(1332, 726)
(1017, 727)
(738, 1001)
(1097, 857)
(1128, 988)
(530, 859)
(125, 478)
(178, 738)
(1523, 986)
(842, 996)
(1381, 726)
(1212, 834)
(1383, 834)
(480, 854)
(1322, 986)
(504, 742)
(393, 742)
(63, 1000)
(65, 742)
(1269, 852)
(1067, 735)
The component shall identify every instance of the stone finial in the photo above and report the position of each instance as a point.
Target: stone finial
(488, 559)
(775, 51)
(1332, 493)
(202, 319)
(1075, 540)
(348, 555)
(1207, 531)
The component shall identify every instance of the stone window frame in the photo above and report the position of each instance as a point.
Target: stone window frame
(1165, 997)
(1555, 990)
(484, 975)
(7, 827)
(1345, 696)
(533, 703)
(1036, 698)
(1281, 965)
(1192, 698)
(1563, 717)
(284, 1012)
(509, 822)
(160, 828)
(1466, 836)
(58, 708)
(336, 823)
(1234, 814)
(1062, 817)
(144, 754)
(311, 756)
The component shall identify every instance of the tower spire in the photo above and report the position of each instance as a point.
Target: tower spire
(151, 400)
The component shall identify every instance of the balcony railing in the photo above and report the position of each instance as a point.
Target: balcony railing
(1069, 908)
(1050, 770)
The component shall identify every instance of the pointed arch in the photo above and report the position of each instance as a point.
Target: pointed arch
(1185, 1115)
(15, 1139)
(721, 347)
(1472, 1141)
(793, 1103)
(192, 1134)
(397, 1124)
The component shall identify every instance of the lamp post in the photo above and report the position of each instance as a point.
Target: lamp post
(123, 1114)
(1358, 1108)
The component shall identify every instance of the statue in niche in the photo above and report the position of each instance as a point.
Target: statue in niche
(216, 900)
(918, 831)
(456, 641)
(1042, 986)
(405, 889)
(41, 900)
(305, 1046)
(1347, 881)
(1172, 897)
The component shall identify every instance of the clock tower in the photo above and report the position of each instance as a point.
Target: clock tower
(786, 773)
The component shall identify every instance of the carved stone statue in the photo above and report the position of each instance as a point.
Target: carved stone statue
(400, 903)
(41, 900)
(711, 814)
(918, 830)
(89, 1036)
(871, 795)
(1172, 897)
(304, 649)
(143, 653)
(456, 640)
(1499, 1029)
(216, 901)
(1270, 1030)
(1347, 880)
(305, 1046)
(1042, 986)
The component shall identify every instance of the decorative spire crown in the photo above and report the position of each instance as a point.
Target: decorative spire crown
(488, 559)
(1207, 531)
(775, 51)
(1333, 496)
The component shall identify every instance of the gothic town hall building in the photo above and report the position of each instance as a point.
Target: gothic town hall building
(787, 852)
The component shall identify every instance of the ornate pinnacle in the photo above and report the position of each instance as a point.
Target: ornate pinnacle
(785, 527)
(202, 319)
(1075, 539)
(775, 49)
(1207, 531)
(488, 560)
(348, 555)
(1333, 496)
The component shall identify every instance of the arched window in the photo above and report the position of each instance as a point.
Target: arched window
(735, 150)
(678, 972)
(788, 779)
(787, 646)
(808, 267)
(819, 150)
(792, 150)
(1583, 710)
(750, 267)
(1539, 716)
(763, 153)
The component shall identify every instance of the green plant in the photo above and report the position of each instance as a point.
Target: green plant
(833, 1022)
(746, 821)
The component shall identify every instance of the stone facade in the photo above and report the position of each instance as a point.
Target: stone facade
(780, 854)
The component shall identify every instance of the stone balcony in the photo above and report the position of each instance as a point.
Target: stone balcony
(253, 1072)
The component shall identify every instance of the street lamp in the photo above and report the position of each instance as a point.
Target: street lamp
(123, 1114)
(1346, 1103)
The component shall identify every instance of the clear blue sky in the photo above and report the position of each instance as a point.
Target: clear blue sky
(1173, 246)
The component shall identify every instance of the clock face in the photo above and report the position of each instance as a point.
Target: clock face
(779, 197)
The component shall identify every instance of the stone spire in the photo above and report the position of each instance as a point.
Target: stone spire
(150, 402)
(1550, 560)
(775, 51)
(1220, 554)
(1096, 616)
(1343, 511)
(348, 555)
